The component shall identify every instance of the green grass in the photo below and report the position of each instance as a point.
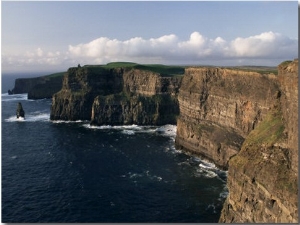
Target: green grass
(60, 74)
(268, 131)
(164, 70)
(285, 63)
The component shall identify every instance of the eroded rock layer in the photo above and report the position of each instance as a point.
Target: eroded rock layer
(219, 107)
(117, 96)
(263, 176)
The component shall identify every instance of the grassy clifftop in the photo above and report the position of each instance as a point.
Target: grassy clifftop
(164, 70)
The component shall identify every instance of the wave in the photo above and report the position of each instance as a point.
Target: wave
(166, 130)
(33, 117)
(207, 165)
(144, 175)
(17, 97)
(68, 121)
(204, 168)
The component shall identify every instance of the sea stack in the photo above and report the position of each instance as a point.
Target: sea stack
(20, 111)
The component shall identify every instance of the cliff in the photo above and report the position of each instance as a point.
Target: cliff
(243, 121)
(115, 96)
(263, 176)
(218, 109)
(80, 86)
(38, 87)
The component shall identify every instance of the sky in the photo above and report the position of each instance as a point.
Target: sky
(53, 36)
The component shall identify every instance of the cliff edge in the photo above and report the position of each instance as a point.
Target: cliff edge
(263, 176)
(218, 109)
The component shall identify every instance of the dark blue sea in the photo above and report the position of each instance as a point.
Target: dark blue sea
(73, 172)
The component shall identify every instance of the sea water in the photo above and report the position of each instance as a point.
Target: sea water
(58, 171)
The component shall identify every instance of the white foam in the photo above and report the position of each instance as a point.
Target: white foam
(207, 165)
(14, 119)
(128, 132)
(145, 174)
(210, 174)
(16, 97)
(167, 130)
(67, 121)
(33, 117)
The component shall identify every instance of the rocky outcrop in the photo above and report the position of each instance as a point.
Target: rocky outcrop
(116, 96)
(38, 87)
(120, 109)
(219, 107)
(80, 86)
(263, 176)
(20, 111)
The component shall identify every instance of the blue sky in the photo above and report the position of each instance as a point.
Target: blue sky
(52, 36)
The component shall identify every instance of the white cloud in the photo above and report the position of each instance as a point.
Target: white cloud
(268, 44)
(267, 47)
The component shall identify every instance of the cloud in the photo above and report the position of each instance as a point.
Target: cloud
(262, 49)
(266, 45)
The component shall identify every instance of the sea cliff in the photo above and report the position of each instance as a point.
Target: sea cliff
(218, 109)
(263, 176)
(116, 96)
(38, 87)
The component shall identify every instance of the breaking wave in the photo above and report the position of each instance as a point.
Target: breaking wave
(17, 97)
(210, 170)
(32, 117)
(67, 121)
(166, 130)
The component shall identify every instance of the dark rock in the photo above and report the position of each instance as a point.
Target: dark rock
(38, 87)
(10, 92)
(20, 112)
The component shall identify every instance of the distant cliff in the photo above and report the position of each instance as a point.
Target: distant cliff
(263, 176)
(115, 96)
(38, 87)
(218, 109)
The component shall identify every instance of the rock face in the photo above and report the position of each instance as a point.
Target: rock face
(263, 176)
(20, 112)
(116, 96)
(38, 87)
(80, 86)
(219, 107)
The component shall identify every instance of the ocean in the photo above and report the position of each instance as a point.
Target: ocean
(58, 171)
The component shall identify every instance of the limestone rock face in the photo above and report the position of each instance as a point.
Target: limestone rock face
(219, 107)
(288, 78)
(137, 109)
(116, 96)
(263, 176)
(80, 86)
(20, 112)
